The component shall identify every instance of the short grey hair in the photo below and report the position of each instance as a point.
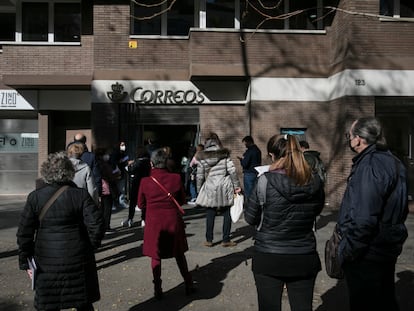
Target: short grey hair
(370, 129)
(159, 158)
(57, 168)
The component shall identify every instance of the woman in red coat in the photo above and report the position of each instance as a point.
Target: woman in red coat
(164, 233)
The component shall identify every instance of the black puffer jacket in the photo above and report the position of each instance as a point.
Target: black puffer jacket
(63, 246)
(288, 216)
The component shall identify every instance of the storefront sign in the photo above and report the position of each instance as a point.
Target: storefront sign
(143, 95)
(168, 92)
(19, 142)
(13, 100)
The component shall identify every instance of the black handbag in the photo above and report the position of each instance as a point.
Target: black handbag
(332, 265)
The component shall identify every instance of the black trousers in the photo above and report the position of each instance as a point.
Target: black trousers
(106, 202)
(371, 285)
(270, 289)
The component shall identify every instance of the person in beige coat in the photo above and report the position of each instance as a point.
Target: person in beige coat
(217, 181)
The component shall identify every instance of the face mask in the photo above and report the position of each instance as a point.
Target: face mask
(350, 146)
(106, 157)
(122, 148)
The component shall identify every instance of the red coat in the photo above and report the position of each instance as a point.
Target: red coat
(164, 233)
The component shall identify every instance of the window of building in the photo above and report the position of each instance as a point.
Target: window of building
(154, 17)
(300, 133)
(397, 8)
(35, 18)
(40, 21)
(180, 18)
(7, 26)
(286, 14)
(67, 19)
(220, 13)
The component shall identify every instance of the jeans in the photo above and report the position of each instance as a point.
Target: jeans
(270, 289)
(193, 190)
(371, 285)
(248, 180)
(210, 217)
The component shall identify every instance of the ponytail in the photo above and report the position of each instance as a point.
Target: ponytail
(295, 164)
(288, 148)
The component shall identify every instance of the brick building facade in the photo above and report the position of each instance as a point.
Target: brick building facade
(313, 75)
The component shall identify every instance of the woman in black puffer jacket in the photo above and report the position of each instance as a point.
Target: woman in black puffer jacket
(283, 206)
(63, 242)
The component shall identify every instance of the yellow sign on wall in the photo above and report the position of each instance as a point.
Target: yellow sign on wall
(133, 44)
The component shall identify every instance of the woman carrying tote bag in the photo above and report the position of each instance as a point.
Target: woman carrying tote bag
(217, 182)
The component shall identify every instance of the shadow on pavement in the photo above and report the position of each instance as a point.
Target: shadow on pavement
(405, 290)
(337, 297)
(116, 240)
(209, 283)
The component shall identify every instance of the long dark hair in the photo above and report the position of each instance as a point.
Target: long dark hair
(288, 155)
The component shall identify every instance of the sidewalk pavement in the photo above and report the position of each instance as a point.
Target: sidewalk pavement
(223, 275)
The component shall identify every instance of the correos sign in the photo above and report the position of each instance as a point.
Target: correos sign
(147, 92)
(145, 96)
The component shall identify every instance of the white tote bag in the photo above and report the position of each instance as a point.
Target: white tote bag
(237, 208)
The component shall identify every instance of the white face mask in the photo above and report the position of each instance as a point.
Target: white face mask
(106, 157)
(122, 147)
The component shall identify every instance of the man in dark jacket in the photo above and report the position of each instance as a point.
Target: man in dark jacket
(371, 219)
(251, 158)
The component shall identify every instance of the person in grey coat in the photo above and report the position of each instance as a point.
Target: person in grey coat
(217, 182)
(83, 174)
(62, 243)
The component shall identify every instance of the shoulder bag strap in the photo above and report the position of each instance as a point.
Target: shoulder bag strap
(168, 194)
(51, 201)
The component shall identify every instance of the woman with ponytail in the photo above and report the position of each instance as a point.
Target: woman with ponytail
(283, 207)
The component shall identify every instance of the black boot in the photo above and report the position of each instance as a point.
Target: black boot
(189, 284)
(157, 289)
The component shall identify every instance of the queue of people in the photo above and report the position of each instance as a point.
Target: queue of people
(282, 204)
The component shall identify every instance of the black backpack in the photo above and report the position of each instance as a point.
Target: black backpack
(316, 164)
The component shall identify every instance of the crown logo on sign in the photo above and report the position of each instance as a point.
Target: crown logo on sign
(117, 94)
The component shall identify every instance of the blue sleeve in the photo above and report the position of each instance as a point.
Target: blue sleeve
(361, 210)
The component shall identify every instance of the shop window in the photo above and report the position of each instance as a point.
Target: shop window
(397, 8)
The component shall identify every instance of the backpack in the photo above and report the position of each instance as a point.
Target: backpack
(315, 162)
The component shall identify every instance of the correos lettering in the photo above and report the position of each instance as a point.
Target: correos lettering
(141, 96)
